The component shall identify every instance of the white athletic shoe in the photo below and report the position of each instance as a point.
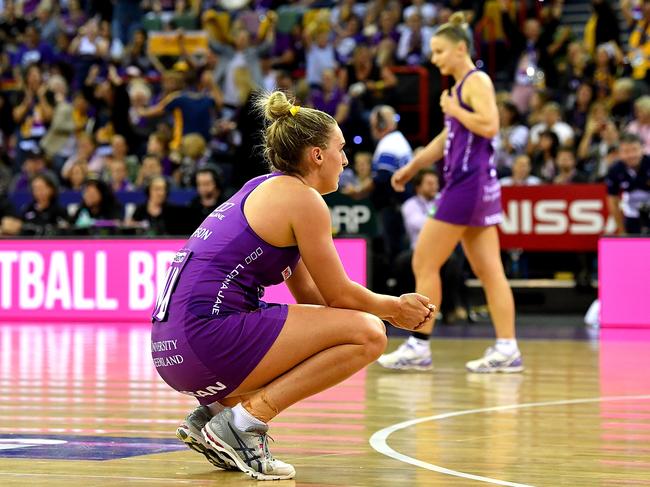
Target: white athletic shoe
(407, 357)
(494, 361)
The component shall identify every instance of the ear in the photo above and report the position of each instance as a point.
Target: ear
(316, 155)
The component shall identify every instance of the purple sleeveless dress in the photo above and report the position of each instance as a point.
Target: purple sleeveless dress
(472, 194)
(210, 329)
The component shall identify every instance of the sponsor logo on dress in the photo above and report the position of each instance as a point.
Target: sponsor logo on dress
(219, 211)
(286, 274)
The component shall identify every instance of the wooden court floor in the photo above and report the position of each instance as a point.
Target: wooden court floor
(81, 405)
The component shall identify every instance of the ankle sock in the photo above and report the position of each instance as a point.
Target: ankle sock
(244, 420)
(507, 346)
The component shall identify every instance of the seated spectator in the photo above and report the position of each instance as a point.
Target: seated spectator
(118, 176)
(98, 204)
(543, 158)
(357, 183)
(158, 145)
(512, 137)
(319, 53)
(622, 101)
(33, 50)
(150, 168)
(44, 215)
(641, 123)
(428, 11)
(194, 155)
(566, 168)
(34, 164)
(628, 185)
(600, 135)
(329, 98)
(552, 120)
(579, 111)
(77, 176)
(209, 189)
(521, 168)
(85, 154)
(156, 213)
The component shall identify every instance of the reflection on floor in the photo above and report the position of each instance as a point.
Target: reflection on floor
(82, 405)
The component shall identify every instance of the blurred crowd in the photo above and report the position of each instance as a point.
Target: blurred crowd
(148, 96)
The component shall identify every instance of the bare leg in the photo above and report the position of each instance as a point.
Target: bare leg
(436, 242)
(481, 245)
(317, 348)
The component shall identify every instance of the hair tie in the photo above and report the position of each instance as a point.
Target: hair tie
(294, 109)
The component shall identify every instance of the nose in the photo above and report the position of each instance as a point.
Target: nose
(345, 160)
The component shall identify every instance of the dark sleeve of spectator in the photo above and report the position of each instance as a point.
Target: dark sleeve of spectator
(120, 116)
(514, 36)
(7, 209)
(140, 213)
(612, 183)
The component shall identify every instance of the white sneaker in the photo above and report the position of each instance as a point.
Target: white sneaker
(407, 357)
(494, 361)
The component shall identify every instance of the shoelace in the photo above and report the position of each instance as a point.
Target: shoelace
(265, 446)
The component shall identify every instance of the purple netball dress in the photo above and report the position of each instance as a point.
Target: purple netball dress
(472, 193)
(210, 329)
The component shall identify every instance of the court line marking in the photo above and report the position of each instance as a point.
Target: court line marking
(379, 438)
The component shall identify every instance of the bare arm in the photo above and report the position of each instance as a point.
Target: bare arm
(311, 225)
(158, 109)
(302, 286)
(479, 94)
(433, 152)
(614, 207)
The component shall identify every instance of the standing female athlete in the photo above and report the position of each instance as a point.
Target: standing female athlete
(469, 206)
(214, 339)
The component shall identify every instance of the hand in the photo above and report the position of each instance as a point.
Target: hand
(449, 102)
(400, 177)
(414, 311)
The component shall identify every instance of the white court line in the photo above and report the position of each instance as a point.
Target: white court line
(378, 440)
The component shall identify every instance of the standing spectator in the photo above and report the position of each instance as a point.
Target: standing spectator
(628, 185)
(393, 152)
(33, 50)
(330, 99)
(127, 16)
(601, 27)
(413, 48)
(319, 53)
(44, 215)
(521, 169)
(59, 139)
(357, 183)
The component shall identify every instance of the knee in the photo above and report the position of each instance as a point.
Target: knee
(374, 338)
(424, 265)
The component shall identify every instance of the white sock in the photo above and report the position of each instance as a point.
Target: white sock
(419, 344)
(507, 346)
(244, 420)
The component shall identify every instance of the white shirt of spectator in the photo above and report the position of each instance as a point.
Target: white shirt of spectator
(530, 181)
(318, 60)
(563, 131)
(427, 11)
(230, 90)
(404, 44)
(517, 137)
(415, 212)
(393, 151)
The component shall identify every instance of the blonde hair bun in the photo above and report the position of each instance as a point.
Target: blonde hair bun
(457, 19)
(275, 105)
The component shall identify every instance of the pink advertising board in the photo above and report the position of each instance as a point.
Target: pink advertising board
(106, 280)
(624, 282)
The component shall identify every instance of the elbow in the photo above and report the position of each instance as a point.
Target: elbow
(490, 131)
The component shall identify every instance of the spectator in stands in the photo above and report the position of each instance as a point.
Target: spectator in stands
(84, 154)
(357, 183)
(193, 113)
(577, 69)
(387, 28)
(427, 11)
(77, 176)
(135, 53)
(521, 173)
(88, 48)
(628, 185)
(33, 110)
(98, 203)
(567, 173)
(118, 175)
(348, 37)
(392, 152)
(209, 190)
(156, 213)
(413, 48)
(579, 111)
(58, 142)
(552, 120)
(512, 137)
(33, 50)
(158, 145)
(543, 157)
(605, 70)
(33, 164)
(641, 123)
(127, 15)
(601, 27)
(319, 52)
(329, 98)
(622, 101)
(150, 168)
(638, 49)
(194, 155)
(44, 215)
(73, 18)
(10, 223)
